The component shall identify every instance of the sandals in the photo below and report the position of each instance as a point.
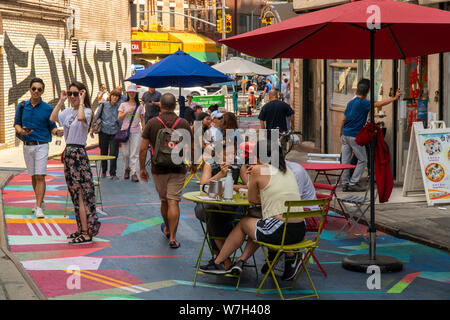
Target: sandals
(174, 244)
(81, 239)
(74, 235)
(163, 226)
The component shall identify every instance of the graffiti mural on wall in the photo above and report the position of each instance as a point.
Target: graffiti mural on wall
(92, 70)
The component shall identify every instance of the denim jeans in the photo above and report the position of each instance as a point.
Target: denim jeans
(349, 146)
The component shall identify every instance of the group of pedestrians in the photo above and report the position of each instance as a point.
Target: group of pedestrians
(35, 124)
(150, 122)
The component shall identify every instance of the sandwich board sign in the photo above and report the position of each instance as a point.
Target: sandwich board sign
(428, 162)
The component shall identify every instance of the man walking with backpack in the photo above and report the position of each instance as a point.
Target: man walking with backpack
(168, 177)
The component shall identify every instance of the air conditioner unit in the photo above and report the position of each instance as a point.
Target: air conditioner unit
(144, 22)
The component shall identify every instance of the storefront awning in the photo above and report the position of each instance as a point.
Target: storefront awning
(196, 45)
(164, 43)
(205, 56)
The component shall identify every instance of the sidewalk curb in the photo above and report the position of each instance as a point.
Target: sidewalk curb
(4, 242)
(398, 233)
(4, 248)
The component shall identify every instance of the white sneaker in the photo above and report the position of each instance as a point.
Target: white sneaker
(39, 213)
(42, 207)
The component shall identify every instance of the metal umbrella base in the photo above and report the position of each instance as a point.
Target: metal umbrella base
(360, 263)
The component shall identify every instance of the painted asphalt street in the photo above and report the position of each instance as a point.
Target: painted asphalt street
(131, 259)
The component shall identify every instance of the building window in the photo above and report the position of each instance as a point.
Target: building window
(344, 81)
(186, 20)
(142, 13)
(172, 18)
(378, 77)
(244, 23)
(200, 24)
(159, 18)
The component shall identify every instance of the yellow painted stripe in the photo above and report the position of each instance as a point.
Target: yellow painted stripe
(108, 278)
(95, 279)
(66, 221)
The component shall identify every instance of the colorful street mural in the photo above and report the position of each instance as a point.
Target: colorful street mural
(131, 259)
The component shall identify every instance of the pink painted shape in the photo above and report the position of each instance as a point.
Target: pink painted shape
(59, 254)
(111, 230)
(57, 246)
(54, 283)
(141, 256)
(21, 229)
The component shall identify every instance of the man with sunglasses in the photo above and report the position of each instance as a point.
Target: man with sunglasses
(32, 123)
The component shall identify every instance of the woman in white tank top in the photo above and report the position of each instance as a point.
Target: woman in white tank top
(269, 186)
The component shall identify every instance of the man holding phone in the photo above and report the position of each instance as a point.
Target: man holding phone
(32, 123)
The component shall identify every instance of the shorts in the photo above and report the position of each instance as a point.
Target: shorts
(271, 231)
(36, 159)
(169, 186)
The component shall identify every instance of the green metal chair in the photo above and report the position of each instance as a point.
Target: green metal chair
(305, 245)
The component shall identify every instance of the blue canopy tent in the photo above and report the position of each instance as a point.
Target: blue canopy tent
(178, 70)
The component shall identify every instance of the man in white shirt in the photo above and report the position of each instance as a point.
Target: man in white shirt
(214, 133)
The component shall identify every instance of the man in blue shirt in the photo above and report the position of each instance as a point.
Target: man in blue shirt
(355, 117)
(267, 88)
(32, 123)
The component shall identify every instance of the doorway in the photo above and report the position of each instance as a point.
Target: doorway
(413, 82)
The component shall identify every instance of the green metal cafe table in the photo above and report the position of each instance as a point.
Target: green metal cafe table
(203, 199)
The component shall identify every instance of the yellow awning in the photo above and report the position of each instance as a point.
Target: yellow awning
(164, 43)
(193, 42)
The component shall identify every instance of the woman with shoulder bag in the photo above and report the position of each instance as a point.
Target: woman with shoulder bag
(76, 121)
(106, 126)
(132, 114)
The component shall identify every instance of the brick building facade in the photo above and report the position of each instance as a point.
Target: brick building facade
(60, 41)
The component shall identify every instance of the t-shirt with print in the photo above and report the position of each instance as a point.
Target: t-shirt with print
(75, 132)
(151, 133)
(136, 125)
(355, 116)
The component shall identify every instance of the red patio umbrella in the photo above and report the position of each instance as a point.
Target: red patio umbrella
(375, 29)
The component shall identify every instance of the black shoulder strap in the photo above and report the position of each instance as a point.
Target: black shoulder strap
(21, 106)
(101, 111)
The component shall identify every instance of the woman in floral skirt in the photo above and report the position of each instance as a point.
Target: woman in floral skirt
(76, 121)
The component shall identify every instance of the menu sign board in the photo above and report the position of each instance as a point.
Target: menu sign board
(431, 147)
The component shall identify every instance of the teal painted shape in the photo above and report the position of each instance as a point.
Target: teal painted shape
(402, 256)
(436, 276)
(274, 291)
(123, 298)
(142, 225)
(53, 187)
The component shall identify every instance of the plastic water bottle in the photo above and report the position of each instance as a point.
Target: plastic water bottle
(228, 192)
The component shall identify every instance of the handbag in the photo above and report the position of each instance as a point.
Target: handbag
(124, 135)
(97, 126)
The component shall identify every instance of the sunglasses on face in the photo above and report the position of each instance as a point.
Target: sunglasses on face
(74, 93)
(38, 89)
(219, 118)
